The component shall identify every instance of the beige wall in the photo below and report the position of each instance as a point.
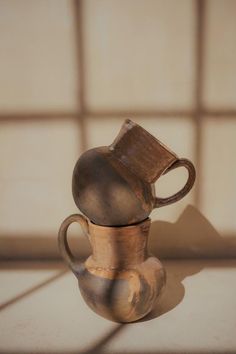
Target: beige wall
(71, 72)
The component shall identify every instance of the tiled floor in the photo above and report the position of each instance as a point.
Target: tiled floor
(41, 311)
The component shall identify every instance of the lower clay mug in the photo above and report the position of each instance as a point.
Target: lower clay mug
(120, 280)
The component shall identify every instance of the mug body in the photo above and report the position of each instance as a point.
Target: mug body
(108, 192)
(120, 281)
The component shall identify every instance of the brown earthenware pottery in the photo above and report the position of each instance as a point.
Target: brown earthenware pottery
(120, 280)
(113, 185)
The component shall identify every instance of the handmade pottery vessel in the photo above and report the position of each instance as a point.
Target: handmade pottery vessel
(114, 185)
(120, 280)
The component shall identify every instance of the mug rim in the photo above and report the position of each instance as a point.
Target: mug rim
(116, 227)
(128, 121)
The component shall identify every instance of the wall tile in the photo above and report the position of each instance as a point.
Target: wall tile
(139, 54)
(220, 55)
(38, 68)
(219, 173)
(37, 160)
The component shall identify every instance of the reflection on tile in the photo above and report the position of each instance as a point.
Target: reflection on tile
(220, 50)
(176, 133)
(219, 173)
(37, 160)
(139, 54)
(38, 66)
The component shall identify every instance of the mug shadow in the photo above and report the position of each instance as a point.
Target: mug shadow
(191, 237)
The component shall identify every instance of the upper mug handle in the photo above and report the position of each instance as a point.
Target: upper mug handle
(160, 202)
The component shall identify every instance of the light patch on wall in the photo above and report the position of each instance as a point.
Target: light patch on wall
(37, 160)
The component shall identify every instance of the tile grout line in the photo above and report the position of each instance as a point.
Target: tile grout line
(199, 50)
(78, 17)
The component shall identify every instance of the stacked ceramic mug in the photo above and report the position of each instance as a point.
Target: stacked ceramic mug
(113, 186)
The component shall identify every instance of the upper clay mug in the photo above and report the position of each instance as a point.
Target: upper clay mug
(113, 185)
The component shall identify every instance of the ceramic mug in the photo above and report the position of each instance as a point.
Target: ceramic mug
(114, 185)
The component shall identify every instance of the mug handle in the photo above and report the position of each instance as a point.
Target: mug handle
(64, 248)
(160, 202)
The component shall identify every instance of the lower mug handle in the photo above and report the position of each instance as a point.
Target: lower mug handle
(64, 248)
(160, 202)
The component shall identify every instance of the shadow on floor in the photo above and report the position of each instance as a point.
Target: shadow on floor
(191, 236)
(33, 289)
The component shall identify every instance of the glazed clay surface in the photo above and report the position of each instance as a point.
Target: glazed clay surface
(120, 280)
(114, 185)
